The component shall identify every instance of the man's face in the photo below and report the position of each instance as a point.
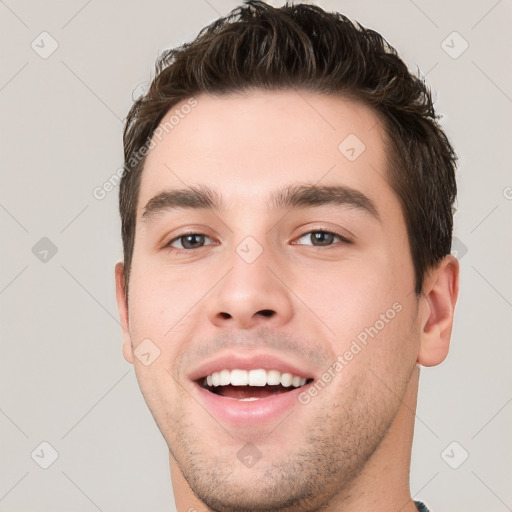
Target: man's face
(305, 287)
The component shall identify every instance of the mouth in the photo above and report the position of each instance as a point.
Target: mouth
(251, 385)
(245, 390)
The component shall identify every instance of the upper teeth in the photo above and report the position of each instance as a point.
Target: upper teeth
(258, 377)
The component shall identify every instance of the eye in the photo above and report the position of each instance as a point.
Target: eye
(188, 242)
(318, 238)
(322, 238)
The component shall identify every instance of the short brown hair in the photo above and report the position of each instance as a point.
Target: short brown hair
(302, 46)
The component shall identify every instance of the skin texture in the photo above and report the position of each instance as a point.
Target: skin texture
(349, 448)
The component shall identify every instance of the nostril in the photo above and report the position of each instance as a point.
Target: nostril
(225, 315)
(267, 312)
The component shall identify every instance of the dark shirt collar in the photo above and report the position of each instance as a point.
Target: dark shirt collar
(421, 506)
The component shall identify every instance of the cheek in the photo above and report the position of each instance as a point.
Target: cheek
(366, 309)
(157, 299)
(375, 361)
(152, 315)
(161, 309)
(349, 296)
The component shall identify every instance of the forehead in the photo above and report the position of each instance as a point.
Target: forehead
(247, 145)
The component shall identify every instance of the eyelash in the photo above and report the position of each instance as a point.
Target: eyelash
(325, 231)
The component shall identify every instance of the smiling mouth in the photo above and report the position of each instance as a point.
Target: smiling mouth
(250, 385)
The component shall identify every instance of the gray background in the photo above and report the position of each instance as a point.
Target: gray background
(62, 376)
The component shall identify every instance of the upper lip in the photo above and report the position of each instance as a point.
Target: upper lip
(234, 361)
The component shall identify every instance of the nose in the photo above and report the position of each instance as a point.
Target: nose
(251, 295)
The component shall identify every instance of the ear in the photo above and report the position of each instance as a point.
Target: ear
(439, 296)
(122, 307)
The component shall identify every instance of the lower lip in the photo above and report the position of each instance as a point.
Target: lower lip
(240, 413)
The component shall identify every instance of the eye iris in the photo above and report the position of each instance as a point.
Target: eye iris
(323, 237)
(186, 239)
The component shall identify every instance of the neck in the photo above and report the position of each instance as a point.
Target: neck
(382, 485)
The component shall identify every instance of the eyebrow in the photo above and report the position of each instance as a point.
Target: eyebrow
(199, 197)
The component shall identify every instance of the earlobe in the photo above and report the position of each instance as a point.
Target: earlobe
(123, 312)
(128, 351)
(438, 300)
